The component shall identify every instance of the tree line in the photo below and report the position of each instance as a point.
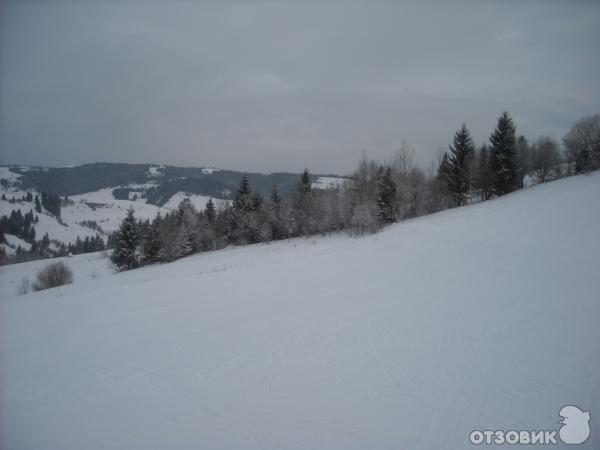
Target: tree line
(377, 194)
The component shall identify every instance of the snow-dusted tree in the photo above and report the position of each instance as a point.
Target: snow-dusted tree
(545, 158)
(502, 160)
(582, 144)
(363, 219)
(275, 215)
(183, 244)
(152, 242)
(245, 226)
(303, 212)
(459, 165)
(125, 253)
(210, 211)
(386, 197)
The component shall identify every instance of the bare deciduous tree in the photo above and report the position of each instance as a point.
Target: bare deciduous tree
(545, 158)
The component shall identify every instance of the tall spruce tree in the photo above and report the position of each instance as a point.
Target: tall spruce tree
(278, 230)
(124, 255)
(38, 205)
(386, 197)
(502, 160)
(303, 205)
(244, 225)
(243, 197)
(152, 242)
(210, 211)
(459, 165)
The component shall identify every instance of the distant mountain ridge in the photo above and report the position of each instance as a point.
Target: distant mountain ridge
(160, 182)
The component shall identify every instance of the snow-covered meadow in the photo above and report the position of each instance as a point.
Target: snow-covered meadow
(482, 317)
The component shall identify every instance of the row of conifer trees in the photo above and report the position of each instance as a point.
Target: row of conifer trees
(376, 194)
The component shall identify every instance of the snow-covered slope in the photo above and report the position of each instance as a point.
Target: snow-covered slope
(483, 317)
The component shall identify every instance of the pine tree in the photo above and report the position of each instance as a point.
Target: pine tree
(210, 211)
(305, 184)
(503, 164)
(278, 229)
(243, 198)
(183, 245)
(124, 255)
(243, 227)
(386, 197)
(152, 242)
(303, 209)
(459, 165)
(483, 177)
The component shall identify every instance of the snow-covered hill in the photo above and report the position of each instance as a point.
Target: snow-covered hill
(98, 206)
(478, 318)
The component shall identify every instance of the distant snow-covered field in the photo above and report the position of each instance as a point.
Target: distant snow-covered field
(99, 206)
(477, 318)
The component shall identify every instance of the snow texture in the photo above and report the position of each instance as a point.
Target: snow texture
(482, 317)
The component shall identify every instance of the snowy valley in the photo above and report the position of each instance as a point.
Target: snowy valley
(479, 317)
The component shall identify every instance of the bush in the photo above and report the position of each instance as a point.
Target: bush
(53, 275)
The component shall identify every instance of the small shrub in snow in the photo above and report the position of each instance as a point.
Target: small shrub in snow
(53, 275)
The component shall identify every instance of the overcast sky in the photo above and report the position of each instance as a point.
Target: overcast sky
(266, 86)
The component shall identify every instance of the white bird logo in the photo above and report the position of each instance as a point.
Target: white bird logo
(575, 425)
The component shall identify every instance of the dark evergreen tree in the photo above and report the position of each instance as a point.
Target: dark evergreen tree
(386, 197)
(305, 183)
(502, 160)
(124, 255)
(303, 210)
(28, 197)
(483, 176)
(152, 242)
(38, 205)
(210, 211)
(459, 165)
(278, 228)
(51, 202)
(245, 225)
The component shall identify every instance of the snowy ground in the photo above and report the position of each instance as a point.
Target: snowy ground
(484, 317)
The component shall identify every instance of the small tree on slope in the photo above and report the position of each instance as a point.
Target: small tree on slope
(124, 255)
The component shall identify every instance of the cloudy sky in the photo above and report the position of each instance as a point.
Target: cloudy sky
(266, 86)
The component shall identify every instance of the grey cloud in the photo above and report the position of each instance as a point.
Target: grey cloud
(277, 86)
